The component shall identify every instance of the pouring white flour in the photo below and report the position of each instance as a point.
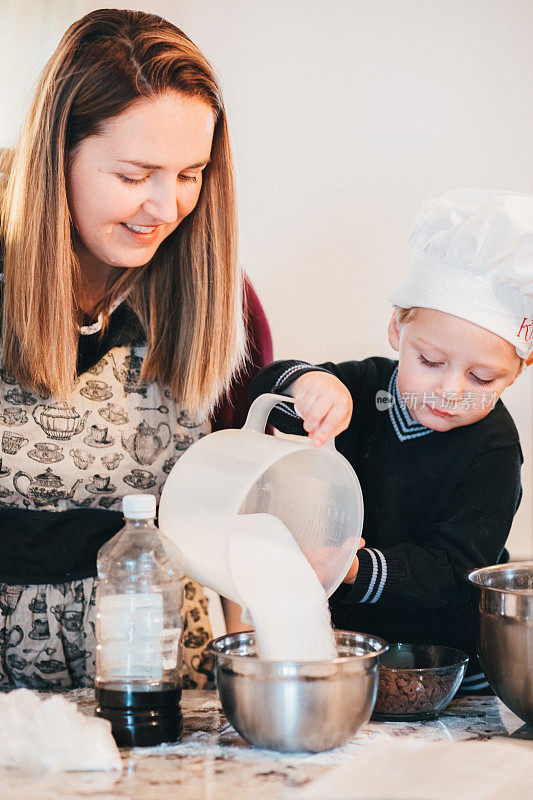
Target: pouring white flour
(245, 509)
(281, 591)
(254, 560)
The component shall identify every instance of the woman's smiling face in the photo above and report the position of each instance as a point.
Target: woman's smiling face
(131, 185)
(451, 372)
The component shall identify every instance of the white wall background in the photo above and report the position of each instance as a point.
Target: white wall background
(345, 117)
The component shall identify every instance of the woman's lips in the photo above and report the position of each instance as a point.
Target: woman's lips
(145, 237)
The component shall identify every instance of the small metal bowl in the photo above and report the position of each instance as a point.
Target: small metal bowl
(293, 707)
(417, 681)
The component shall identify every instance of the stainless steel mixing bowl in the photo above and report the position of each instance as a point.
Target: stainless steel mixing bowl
(298, 706)
(505, 638)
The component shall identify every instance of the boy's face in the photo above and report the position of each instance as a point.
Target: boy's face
(451, 372)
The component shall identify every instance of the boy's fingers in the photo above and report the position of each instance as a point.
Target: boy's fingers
(303, 406)
(324, 405)
(333, 423)
(301, 401)
(316, 414)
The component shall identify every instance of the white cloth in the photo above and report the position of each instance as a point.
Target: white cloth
(52, 735)
(473, 258)
(406, 769)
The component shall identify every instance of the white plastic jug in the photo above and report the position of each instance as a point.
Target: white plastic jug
(313, 491)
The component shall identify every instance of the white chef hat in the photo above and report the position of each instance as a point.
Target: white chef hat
(473, 258)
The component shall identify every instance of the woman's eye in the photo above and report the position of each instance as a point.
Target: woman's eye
(480, 380)
(188, 178)
(427, 363)
(136, 181)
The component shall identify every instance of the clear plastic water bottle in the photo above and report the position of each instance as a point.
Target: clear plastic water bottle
(139, 598)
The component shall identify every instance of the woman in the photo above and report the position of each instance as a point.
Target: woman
(123, 333)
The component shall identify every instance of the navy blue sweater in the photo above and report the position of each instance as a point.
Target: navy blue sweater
(436, 506)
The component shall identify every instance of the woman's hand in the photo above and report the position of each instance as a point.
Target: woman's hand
(324, 403)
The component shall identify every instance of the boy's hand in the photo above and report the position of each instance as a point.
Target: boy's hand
(324, 403)
(324, 561)
(352, 572)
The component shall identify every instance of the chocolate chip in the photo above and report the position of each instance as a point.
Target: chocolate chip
(409, 692)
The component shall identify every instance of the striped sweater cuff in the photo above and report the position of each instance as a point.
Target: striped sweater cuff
(293, 371)
(371, 576)
(475, 684)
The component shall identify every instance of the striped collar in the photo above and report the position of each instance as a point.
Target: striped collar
(404, 425)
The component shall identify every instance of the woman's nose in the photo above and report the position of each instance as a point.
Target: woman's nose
(162, 203)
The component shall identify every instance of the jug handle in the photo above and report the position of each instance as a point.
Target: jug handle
(261, 408)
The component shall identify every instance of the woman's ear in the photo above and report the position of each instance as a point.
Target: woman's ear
(394, 332)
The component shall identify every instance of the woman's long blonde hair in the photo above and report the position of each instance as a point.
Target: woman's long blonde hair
(189, 296)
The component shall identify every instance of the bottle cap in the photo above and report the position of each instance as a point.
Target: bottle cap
(138, 506)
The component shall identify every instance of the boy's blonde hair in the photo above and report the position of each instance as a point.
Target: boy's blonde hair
(189, 296)
(404, 315)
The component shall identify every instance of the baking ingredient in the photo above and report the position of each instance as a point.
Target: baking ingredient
(280, 590)
(52, 735)
(254, 560)
(405, 691)
(138, 629)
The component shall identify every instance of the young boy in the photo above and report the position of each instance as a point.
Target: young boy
(435, 450)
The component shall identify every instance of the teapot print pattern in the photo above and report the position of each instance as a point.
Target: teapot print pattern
(44, 644)
(59, 420)
(146, 444)
(128, 372)
(134, 436)
(44, 490)
(9, 597)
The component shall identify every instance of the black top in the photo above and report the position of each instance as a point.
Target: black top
(436, 504)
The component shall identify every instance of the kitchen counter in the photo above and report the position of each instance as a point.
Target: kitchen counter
(213, 763)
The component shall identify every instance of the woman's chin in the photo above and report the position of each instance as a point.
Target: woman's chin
(128, 259)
